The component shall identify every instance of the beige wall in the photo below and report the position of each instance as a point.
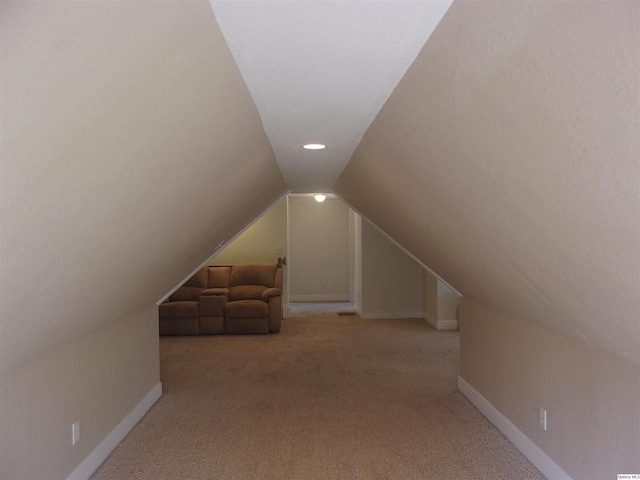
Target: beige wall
(592, 397)
(263, 242)
(97, 380)
(506, 160)
(318, 260)
(125, 158)
(506, 163)
(130, 148)
(392, 283)
(447, 303)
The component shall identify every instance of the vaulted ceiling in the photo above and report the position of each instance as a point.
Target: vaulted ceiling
(134, 140)
(319, 71)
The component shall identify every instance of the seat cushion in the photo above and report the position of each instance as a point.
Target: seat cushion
(246, 309)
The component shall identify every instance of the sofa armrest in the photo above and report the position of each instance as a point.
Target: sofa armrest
(215, 291)
(270, 292)
(212, 306)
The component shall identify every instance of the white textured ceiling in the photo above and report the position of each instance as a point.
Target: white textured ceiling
(319, 72)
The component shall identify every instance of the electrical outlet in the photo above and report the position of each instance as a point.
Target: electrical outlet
(542, 418)
(75, 433)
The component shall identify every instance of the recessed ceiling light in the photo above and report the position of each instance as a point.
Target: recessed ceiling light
(314, 146)
(320, 197)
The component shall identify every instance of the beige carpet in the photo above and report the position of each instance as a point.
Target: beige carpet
(328, 398)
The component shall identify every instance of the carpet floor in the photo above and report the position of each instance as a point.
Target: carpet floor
(330, 397)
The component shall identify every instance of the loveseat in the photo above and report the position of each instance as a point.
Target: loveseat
(228, 299)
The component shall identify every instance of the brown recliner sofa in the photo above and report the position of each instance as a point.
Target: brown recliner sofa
(228, 299)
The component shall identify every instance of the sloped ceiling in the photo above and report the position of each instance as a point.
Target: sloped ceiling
(319, 71)
(507, 159)
(130, 148)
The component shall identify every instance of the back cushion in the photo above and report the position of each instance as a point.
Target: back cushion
(219, 277)
(246, 292)
(199, 279)
(255, 274)
(191, 290)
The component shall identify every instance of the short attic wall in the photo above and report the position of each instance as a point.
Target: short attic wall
(97, 380)
(440, 303)
(591, 396)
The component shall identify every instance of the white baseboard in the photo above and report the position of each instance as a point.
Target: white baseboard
(389, 315)
(335, 298)
(447, 325)
(529, 449)
(441, 324)
(90, 464)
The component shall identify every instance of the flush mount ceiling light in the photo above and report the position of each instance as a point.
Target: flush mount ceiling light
(314, 146)
(320, 197)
